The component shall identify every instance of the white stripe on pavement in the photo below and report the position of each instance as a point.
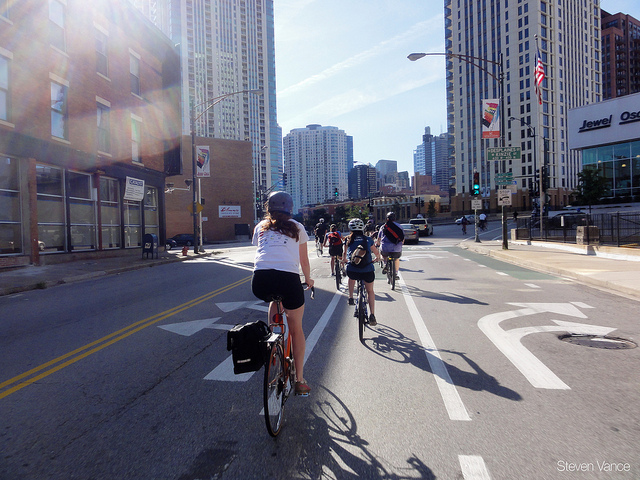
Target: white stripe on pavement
(452, 400)
(473, 467)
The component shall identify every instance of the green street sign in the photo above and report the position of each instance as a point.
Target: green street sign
(503, 153)
(504, 178)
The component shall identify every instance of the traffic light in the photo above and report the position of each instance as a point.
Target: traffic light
(284, 179)
(545, 178)
(335, 192)
(475, 190)
(422, 202)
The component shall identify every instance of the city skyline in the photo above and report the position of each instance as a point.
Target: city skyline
(351, 71)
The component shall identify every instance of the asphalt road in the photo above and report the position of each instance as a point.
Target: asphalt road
(127, 377)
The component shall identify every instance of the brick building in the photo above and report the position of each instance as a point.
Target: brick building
(89, 128)
(227, 195)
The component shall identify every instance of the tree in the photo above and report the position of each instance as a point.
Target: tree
(357, 212)
(431, 209)
(592, 186)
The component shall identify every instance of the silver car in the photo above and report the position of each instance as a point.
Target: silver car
(410, 233)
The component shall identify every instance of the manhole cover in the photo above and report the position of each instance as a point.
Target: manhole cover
(611, 343)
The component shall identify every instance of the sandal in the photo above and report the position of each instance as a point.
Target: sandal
(302, 389)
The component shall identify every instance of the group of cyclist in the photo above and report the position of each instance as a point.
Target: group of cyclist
(282, 250)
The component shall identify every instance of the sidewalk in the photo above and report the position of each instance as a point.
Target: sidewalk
(38, 277)
(612, 268)
(615, 269)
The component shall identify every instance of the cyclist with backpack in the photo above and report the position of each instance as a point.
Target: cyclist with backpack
(361, 264)
(334, 240)
(390, 240)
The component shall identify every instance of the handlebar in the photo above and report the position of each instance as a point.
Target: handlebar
(313, 290)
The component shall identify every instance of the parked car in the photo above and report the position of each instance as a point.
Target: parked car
(570, 220)
(410, 233)
(423, 226)
(180, 240)
(470, 218)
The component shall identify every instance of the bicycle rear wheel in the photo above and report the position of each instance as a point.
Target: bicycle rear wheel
(362, 312)
(338, 273)
(392, 270)
(274, 390)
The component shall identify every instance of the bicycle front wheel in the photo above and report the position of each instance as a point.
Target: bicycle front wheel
(274, 390)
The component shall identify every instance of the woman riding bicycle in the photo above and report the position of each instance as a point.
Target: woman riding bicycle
(361, 266)
(333, 240)
(390, 239)
(282, 250)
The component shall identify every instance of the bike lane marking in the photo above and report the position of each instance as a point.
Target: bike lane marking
(450, 396)
(473, 467)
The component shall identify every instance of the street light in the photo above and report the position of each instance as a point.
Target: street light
(196, 201)
(477, 62)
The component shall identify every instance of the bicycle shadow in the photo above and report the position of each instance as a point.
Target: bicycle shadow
(443, 296)
(344, 452)
(394, 346)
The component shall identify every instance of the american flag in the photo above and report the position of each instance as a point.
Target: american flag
(539, 75)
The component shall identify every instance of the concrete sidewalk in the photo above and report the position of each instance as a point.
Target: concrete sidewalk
(44, 276)
(612, 268)
(615, 269)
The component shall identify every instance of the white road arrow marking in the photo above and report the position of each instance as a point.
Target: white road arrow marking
(252, 304)
(508, 342)
(189, 328)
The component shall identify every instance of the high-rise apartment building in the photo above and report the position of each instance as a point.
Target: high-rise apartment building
(620, 55)
(227, 46)
(496, 33)
(431, 158)
(315, 162)
(362, 181)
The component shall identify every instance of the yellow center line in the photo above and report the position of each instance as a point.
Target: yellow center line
(93, 347)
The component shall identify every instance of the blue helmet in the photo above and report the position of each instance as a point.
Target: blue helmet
(281, 202)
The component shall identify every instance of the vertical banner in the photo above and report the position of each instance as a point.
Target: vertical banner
(490, 118)
(203, 162)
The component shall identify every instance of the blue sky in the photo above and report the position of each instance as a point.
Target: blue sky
(344, 63)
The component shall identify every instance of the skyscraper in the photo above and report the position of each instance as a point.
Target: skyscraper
(620, 55)
(497, 33)
(315, 162)
(431, 158)
(227, 46)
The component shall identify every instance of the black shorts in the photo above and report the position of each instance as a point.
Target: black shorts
(367, 277)
(335, 250)
(267, 283)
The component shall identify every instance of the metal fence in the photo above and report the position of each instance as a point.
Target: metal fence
(619, 229)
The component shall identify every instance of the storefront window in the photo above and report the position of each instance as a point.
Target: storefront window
(110, 212)
(635, 175)
(621, 151)
(151, 218)
(51, 215)
(622, 177)
(10, 218)
(589, 156)
(82, 212)
(132, 224)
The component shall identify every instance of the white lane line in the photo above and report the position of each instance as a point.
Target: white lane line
(473, 467)
(450, 396)
(532, 285)
(502, 273)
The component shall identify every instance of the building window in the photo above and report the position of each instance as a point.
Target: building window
(82, 211)
(51, 211)
(132, 224)
(57, 25)
(10, 216)
(134, 71)
(104, 128)
(110, 213)
(4, 9)
(136, 126)
(102, 62)
(59, 114)
(5, 97)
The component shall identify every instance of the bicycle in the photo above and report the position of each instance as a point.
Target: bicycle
(318, 247)
(361, 307)
(280, 369)
(390, 267)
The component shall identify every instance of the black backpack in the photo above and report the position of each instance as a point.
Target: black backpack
(393, 233)
(248, 346)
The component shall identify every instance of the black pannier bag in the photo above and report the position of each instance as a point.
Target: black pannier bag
(248, 347)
